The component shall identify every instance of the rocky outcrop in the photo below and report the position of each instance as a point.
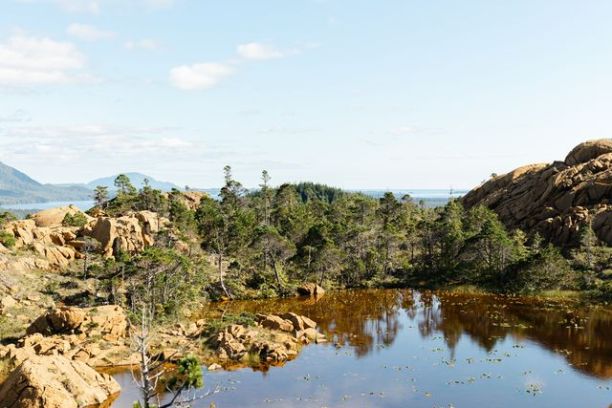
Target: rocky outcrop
(97, 336)
(53, 217)
(56, 382)
(310, 289)
(130, 233)
(48, 242)
(275, 339)
(56, 246)
(191, 199)
(108, 322)
(556, 199)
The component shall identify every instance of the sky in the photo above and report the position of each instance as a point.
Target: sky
(359, 94)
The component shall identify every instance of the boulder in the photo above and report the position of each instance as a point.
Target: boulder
(53, 217)
(50, 243)
(274, 322)
(59, 257)
(558, 199)
(299, 322)
(7, 302)
(588, 150)
(229, 346)
(129, 233)
(23, 230)
(191, 199)
(109, 322)
(310, 289)
(56, 382)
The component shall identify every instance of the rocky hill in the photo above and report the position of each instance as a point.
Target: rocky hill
(17, 187)
(137, 179)
(555, 199)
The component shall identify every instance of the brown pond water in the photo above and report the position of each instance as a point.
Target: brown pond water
(403, 348)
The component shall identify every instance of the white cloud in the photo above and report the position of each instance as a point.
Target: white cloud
(144, 44)
(88, 33)
(199, 76)
(404, 130)
(27, 60)
(207, 75)
(258, 51)
(74, 141)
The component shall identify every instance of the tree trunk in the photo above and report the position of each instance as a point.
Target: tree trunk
(221, 276)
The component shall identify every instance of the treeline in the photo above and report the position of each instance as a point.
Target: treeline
(266, 242)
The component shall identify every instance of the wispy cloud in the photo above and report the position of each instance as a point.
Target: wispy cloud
(146, 44)
(87, 32)
(17, 116)
(74, 142)
(258, 51)
(199, 76)
(27, 60)
(205, 75)
(405, 130)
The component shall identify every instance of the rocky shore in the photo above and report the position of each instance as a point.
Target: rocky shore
(54, 364)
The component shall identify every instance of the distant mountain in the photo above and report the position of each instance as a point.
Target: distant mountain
(17, 187)
(137, 180)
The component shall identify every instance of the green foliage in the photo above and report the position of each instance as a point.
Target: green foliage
(7, 239)
(227, 319)
(188, 375)
(124, 185)
(277, 237)
(314, 191)
(101, 195)
(6, 216)
(78, 219)
(161, 278)
(266, 242)
(545, 269)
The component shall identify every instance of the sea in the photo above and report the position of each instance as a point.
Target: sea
(429, 197)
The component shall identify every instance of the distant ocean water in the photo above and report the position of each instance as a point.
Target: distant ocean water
(431, 198)
(83, 205)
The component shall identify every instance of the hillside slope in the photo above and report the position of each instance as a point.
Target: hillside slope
(555, 199)
(17, 187)
(137, 180)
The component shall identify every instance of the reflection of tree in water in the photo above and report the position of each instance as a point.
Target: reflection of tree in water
(364, 319)
(361, 319)
(581, 335)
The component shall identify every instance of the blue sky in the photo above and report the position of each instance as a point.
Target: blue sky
(355, 93)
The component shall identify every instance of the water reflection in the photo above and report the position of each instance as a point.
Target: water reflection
(369, 320)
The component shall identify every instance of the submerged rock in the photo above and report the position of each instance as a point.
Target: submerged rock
(275, 339)
(310, 289)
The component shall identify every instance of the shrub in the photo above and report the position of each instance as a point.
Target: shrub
(546, 270)
(7, 239)
(77, 219)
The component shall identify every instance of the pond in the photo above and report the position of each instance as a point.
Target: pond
(404, 348)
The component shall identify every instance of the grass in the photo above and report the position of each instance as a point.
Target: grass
(561, 294)
(466, 290)
(243, 319)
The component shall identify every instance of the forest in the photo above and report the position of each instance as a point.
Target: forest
(264, 243)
